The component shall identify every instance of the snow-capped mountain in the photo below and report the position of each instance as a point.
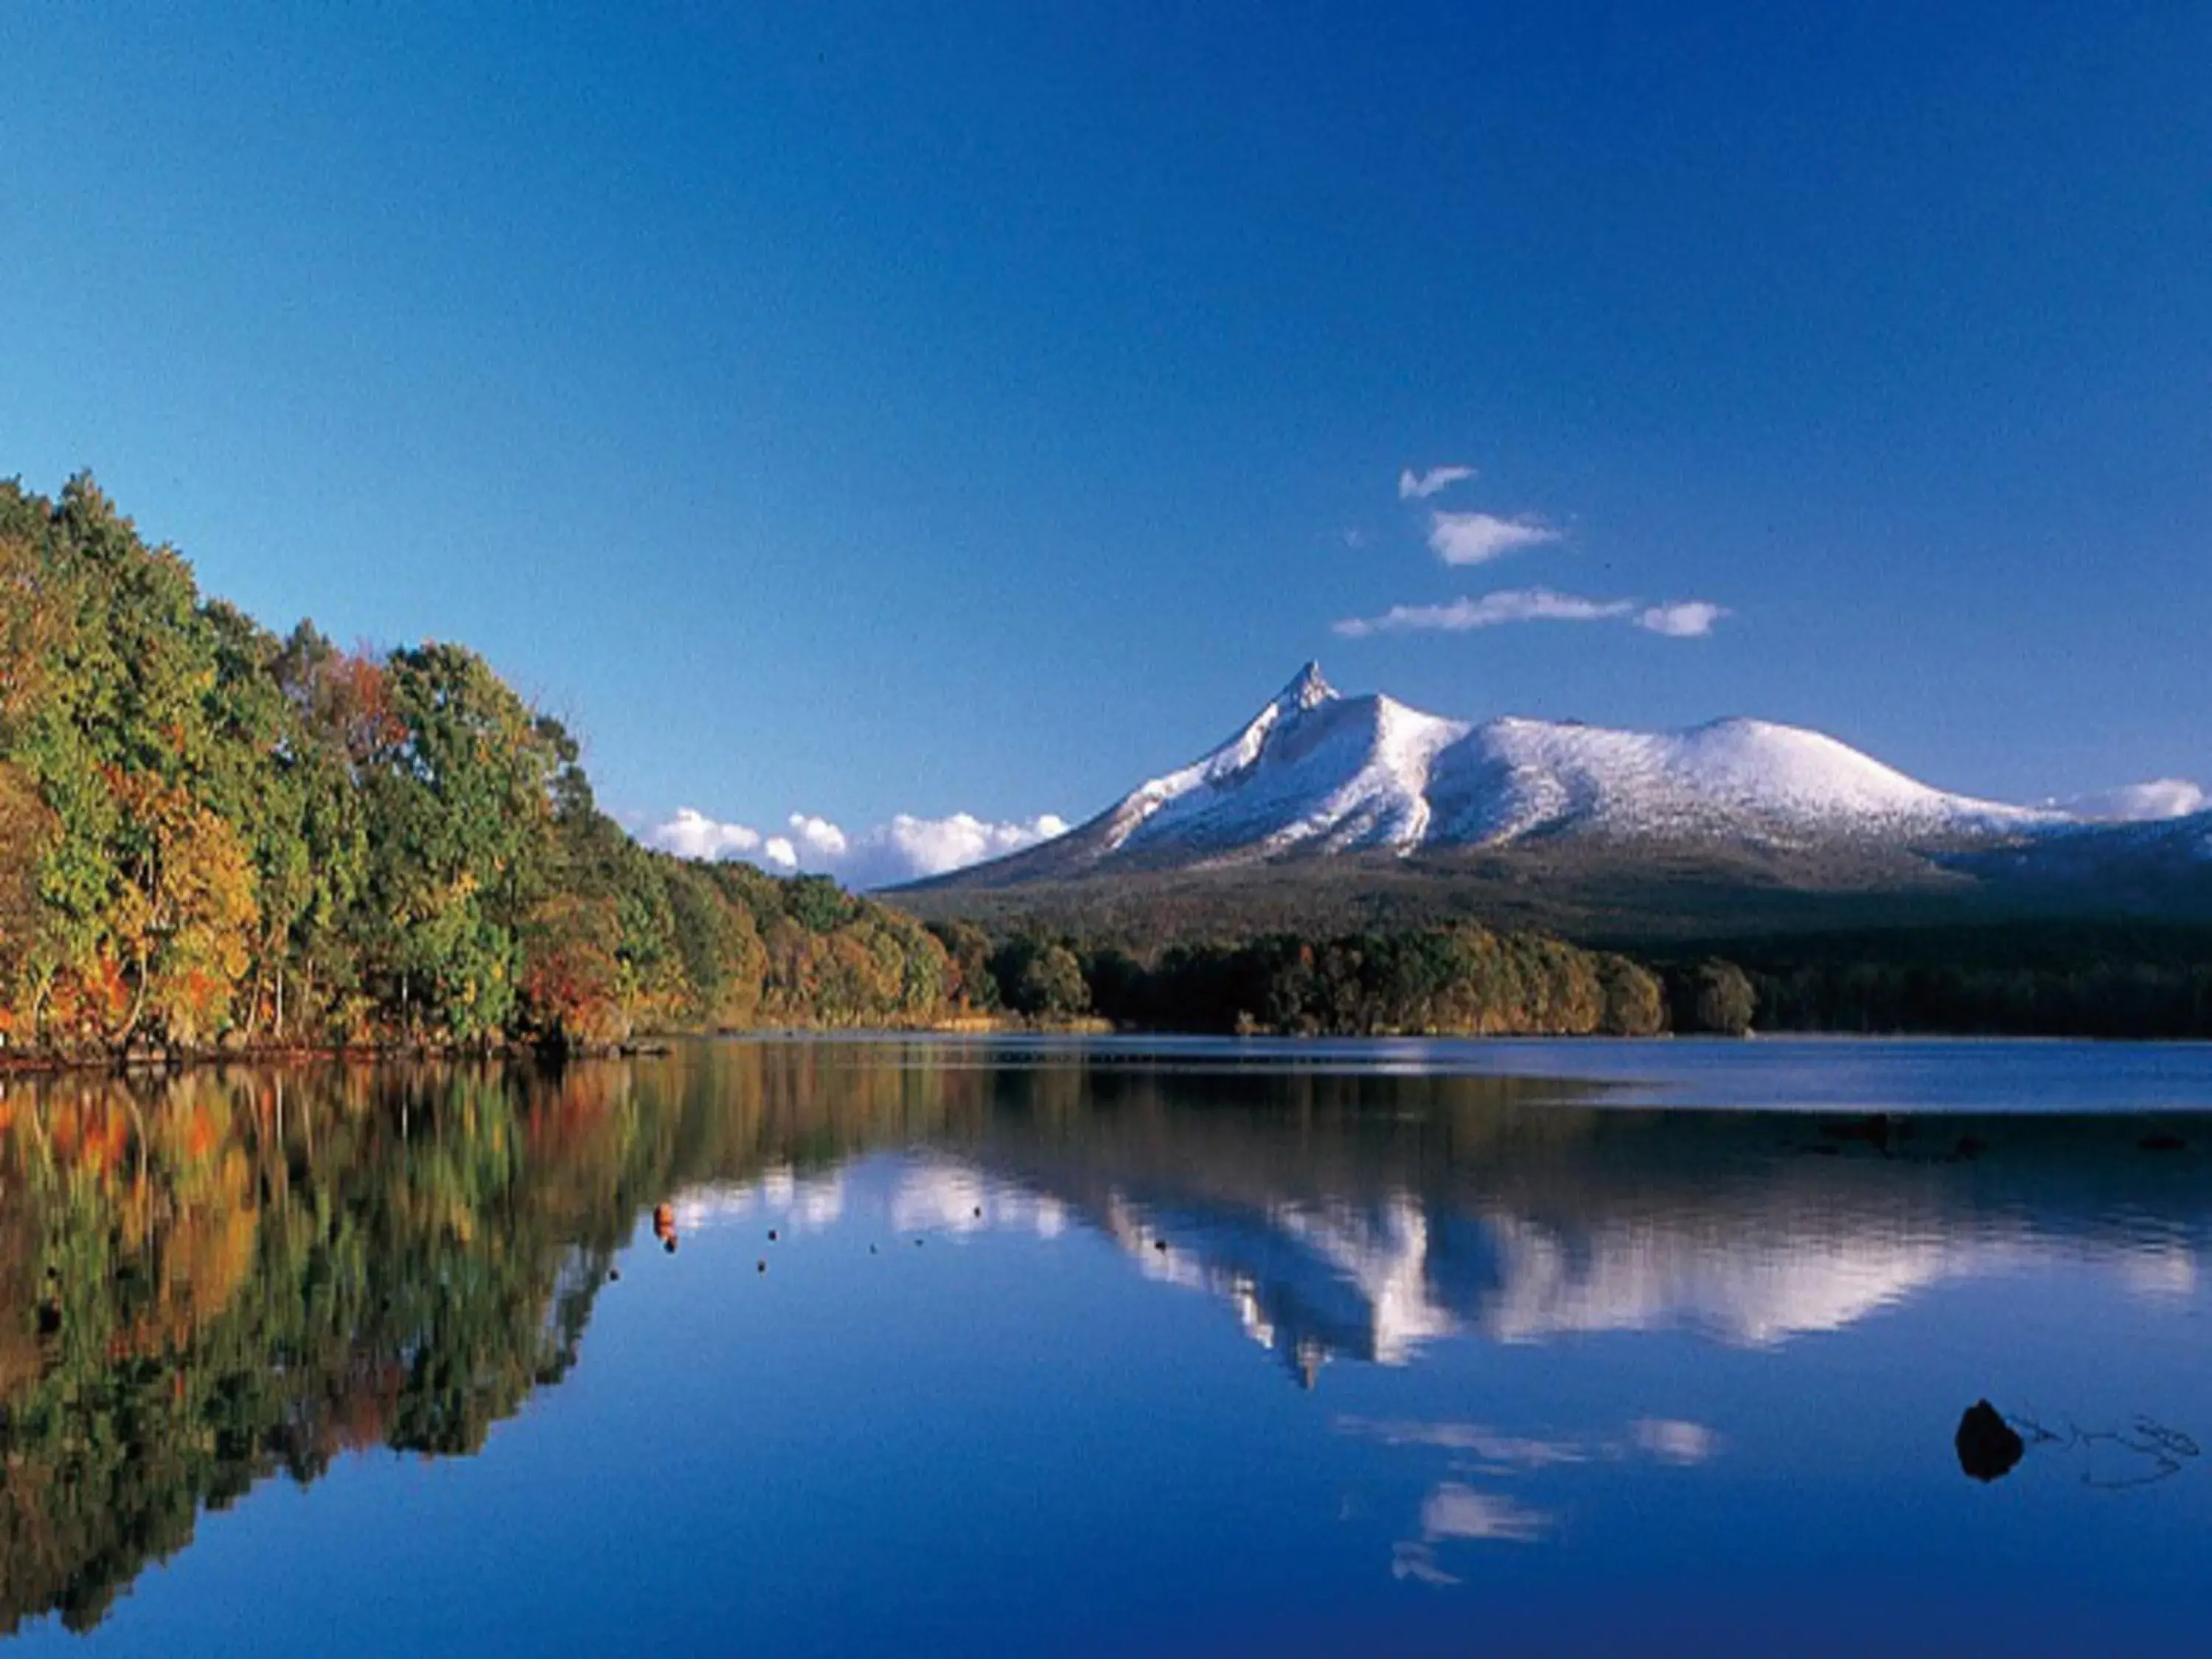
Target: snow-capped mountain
(1315, 772)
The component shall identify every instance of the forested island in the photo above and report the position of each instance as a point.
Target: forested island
(215, 837)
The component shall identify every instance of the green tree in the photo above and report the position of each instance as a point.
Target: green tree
(1041, 978)
(1715, 997)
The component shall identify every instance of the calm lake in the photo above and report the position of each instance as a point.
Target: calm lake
(994, 1346)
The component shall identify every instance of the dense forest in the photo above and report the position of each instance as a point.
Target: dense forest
(2119, 980)
(2063, 978)
(211, 835)
(1460, 978)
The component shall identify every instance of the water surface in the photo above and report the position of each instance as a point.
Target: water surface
(1103, 1347)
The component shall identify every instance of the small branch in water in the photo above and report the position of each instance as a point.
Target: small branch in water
(2167, 1450)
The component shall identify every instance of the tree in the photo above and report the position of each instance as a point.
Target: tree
(972, 984)
(1714, 997)
(1041, 977)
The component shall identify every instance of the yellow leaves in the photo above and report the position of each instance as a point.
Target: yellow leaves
(131, 921)
(186, 918)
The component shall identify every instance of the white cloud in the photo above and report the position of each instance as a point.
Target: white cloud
(1515, 605)
(907, 848)
(1682, 619)
(930, 846)
(692, 834)
(2139, 803)
(821, 840)
(1420, 486)
(1479, 538)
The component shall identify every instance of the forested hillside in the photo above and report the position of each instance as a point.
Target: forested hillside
(211, 835)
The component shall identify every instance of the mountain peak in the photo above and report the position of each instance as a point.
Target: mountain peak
(1308, 689)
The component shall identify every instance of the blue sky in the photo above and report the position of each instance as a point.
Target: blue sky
(865, 410)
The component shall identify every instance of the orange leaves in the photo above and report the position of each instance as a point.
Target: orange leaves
(90, 1003)
(572, 974)
(356, 702)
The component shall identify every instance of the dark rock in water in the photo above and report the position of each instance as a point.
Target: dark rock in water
(1988, 1446)
(1160, 1244)
(760, 1265)
(613, 1274)
(2163, 1142)
(771, 1235)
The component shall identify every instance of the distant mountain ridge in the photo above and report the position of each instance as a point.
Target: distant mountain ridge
(1315, 774)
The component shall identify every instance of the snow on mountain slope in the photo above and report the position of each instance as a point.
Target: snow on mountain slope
(1317, 772)
(1520, 778)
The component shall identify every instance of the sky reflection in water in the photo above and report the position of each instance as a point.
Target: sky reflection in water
(1057, 1353)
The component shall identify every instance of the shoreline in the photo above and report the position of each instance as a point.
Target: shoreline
(661, 1044)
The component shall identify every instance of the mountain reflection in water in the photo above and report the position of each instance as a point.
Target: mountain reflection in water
(210, 1279)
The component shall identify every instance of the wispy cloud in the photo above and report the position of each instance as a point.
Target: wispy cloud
(907, 848)
(1513, 604)
(1686, 619)
(1420, 486)
(1682, 619)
